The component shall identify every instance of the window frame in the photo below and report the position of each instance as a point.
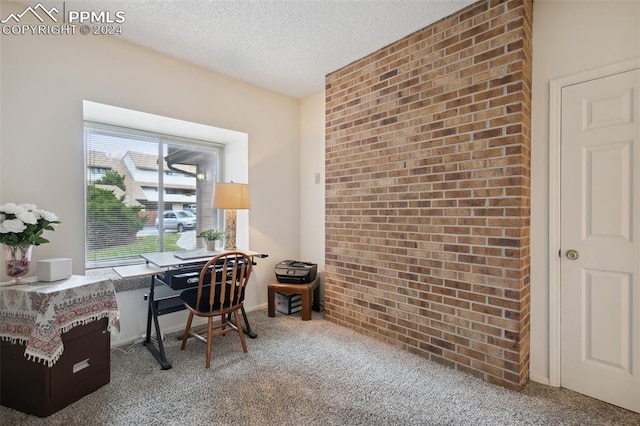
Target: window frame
(163, 140)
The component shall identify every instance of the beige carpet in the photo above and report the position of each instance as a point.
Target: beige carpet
(311, 373)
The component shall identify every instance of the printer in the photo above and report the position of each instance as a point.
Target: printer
(296, 272)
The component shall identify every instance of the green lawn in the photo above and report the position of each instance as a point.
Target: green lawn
(146, 244)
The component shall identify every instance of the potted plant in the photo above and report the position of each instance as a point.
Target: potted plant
(210, 237)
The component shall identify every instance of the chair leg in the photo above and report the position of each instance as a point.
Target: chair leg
(187, 329)
(240, 332)
(209, 340)
(223, 324)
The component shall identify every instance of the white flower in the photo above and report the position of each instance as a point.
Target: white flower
(27, 217)
(28, 206)
(24, 224)
(13, 225)
(48, 216)
(9, 208)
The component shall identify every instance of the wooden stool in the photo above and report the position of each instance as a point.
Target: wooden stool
(304, 290)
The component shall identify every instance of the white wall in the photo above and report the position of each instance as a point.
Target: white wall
(312, 180)
(44, 80)
(2, 13)
(568, 37)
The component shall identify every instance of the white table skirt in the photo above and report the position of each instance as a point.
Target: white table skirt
(37, 313)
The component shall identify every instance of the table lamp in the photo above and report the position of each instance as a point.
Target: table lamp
(230, 197)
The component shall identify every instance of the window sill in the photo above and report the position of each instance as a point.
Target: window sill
(120, 284)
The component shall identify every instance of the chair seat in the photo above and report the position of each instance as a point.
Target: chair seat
(190, 297)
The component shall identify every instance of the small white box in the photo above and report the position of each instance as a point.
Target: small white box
(54, 269)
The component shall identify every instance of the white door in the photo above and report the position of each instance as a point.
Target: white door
(600, 239)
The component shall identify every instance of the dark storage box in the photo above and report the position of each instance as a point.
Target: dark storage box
(188, 276)
(34, 388)
(288, 304)
(185, 277)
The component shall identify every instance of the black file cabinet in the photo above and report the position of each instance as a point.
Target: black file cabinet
(37, 389)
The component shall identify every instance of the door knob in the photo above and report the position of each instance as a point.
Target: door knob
(572, 254)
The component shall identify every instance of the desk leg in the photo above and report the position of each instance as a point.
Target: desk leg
(158, 353)
(247, 327)
(316, 298)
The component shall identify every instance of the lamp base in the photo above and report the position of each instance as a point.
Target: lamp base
(230, 216)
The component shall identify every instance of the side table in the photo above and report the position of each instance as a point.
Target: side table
(309, 292)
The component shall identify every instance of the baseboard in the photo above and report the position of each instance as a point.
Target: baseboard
(538, 378)
(173, 329)
(255, 308)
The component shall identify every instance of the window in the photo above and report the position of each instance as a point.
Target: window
(96, 173)
(136, 177)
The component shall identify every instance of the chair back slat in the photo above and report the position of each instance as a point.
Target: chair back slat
(223, 284)
(234, 272)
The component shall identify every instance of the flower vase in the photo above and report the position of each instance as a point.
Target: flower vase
(17, 260)
(211, 244)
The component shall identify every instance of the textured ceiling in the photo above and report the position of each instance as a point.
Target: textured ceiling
(286, 46)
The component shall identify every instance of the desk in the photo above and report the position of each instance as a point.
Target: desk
(55, 341)
(157, 264)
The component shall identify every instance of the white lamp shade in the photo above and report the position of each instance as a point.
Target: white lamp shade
(231, 196)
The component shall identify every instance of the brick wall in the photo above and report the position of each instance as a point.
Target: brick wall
(427, 192)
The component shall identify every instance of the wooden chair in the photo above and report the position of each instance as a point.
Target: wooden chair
(227, 274)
